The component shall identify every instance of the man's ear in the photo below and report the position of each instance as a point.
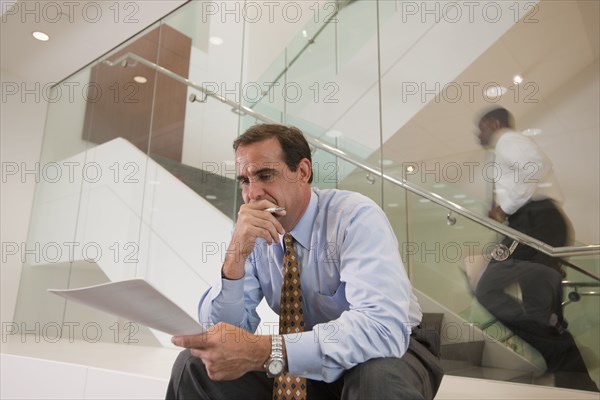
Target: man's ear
(304, 169)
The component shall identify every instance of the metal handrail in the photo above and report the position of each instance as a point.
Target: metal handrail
(580, 284)
(563, 251)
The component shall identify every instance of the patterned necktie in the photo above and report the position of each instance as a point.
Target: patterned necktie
(291, 320)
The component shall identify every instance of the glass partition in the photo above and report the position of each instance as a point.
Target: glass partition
(134, 178)
(88, 184)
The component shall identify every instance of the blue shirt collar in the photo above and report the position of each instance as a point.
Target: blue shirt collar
(303, 229)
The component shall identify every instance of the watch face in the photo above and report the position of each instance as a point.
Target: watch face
(276, 366)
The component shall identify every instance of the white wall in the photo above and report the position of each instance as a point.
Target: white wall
(570, 125)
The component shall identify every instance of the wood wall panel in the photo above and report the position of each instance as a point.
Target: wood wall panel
(149, 115)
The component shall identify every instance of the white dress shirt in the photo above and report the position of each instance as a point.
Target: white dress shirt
(523, 172)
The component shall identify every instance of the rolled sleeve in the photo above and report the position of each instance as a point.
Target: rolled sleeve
(232, 301)
(224, 301)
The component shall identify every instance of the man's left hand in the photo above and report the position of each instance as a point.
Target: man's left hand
(227, 352)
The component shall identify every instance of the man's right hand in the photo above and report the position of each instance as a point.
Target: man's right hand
(253, 222)
(498, 214)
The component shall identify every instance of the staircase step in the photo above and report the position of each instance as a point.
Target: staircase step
(470, 352)
(432, 320)
(217, 189)
(497, 374)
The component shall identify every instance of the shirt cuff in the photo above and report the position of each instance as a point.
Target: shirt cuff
(305, 358)
(303, 355)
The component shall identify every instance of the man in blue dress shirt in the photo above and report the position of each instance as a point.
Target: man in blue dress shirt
(361, 335)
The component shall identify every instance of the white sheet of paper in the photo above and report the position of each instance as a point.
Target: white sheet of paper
(138, 301)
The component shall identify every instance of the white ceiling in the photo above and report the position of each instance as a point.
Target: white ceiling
(547, 56)
(563, 40)
(79, 31)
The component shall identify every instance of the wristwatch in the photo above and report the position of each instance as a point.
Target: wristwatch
(275, 364)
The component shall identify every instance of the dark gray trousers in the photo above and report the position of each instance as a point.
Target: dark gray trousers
(531, 319)
(417, 375)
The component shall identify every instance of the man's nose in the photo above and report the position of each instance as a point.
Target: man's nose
(255, 191)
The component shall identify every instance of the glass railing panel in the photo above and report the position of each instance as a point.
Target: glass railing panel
(213, 49)
(47, 261)
(187, 228)
(87, 217)
(326, 170)
(358, 180)
(396, 208)
(589, 263)
(112, 207)
(326, 75)
(304, 77)
(446, 252)
(438, 248)
(582, 311)
(266, 95)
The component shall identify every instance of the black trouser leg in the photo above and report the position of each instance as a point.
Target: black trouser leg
(560, 353)
(542, 220)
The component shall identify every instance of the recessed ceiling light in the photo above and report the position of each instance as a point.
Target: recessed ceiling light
(140, 79)
(495, 91)
(393, 205)
(517, 79)
(211, 197)
(304, 33)
(460, 196)
(469, 201)
(439, 185)
(41, 36)
(217, 41)
(387, 162)
(410, 168)
(424, 201)
(532, 132)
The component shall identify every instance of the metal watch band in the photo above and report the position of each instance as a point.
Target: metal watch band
(276, 346)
